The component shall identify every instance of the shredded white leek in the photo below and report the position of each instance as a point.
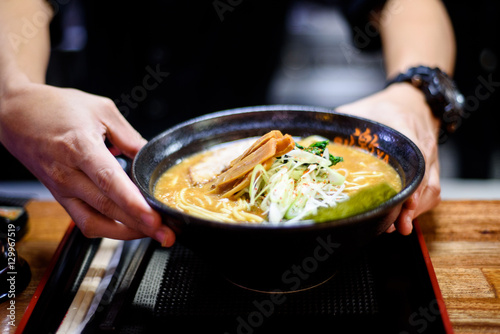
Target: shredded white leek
(296, 185)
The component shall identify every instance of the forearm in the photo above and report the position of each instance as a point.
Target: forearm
(24, 41)
(416, 32)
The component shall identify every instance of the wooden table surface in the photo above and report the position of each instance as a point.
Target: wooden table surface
(463, 239)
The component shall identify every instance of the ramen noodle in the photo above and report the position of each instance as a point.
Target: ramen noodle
(278, 180)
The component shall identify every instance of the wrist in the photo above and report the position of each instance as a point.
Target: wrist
(403, 91)
(406, 94)
(441, 94)
(12, 87)
(12, 81)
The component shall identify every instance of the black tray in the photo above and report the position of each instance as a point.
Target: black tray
(389, 287)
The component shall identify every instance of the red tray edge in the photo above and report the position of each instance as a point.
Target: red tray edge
(43, 281)
(432, 275)
(425, 252)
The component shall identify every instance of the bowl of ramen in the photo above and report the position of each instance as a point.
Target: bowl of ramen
(275, 198)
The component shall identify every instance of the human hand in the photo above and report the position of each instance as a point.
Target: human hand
(58, 134)
(404, 108)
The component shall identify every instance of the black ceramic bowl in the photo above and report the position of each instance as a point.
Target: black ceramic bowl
(285, 258)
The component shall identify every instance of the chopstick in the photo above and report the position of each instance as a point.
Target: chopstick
(86, 291)
(128, 285)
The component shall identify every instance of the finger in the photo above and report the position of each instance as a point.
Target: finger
(391, 229)
(89, 193)
(93, 224)
(425, 198)
(431, 195)
(106, 173)
(413, 201)
(121, 134)
(168, 237)
(404, 223)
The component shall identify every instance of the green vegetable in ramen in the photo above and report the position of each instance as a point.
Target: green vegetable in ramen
(277, 180)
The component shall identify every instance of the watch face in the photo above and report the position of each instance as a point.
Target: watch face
(451, 94)
(452, 110)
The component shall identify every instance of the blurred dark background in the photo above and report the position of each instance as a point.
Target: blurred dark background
(315, 59)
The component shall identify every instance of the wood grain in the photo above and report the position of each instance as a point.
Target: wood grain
(462, 221)
(465, 253)
(459, 282)
(463, 238)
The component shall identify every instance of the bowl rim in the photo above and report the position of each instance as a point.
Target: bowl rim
(303, 225)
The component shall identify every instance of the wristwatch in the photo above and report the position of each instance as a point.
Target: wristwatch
(441, 93)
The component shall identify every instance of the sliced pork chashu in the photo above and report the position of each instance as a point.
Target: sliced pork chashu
(215, 163)
(237, 176)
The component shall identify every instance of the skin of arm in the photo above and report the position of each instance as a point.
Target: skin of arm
(59, 133)
(413, 33)
(21, 39)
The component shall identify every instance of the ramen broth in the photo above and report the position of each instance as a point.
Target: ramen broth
(186, 185)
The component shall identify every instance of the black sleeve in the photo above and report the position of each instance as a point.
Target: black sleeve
(56, 25)
(357, 12)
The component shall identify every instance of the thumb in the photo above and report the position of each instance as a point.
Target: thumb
(122, 135)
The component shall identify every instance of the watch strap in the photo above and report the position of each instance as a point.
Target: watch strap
(427, 80)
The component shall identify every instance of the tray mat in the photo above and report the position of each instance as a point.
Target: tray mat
(384, 288)
(190, 288)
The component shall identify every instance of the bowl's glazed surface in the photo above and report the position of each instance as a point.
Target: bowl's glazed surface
(267, 257)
